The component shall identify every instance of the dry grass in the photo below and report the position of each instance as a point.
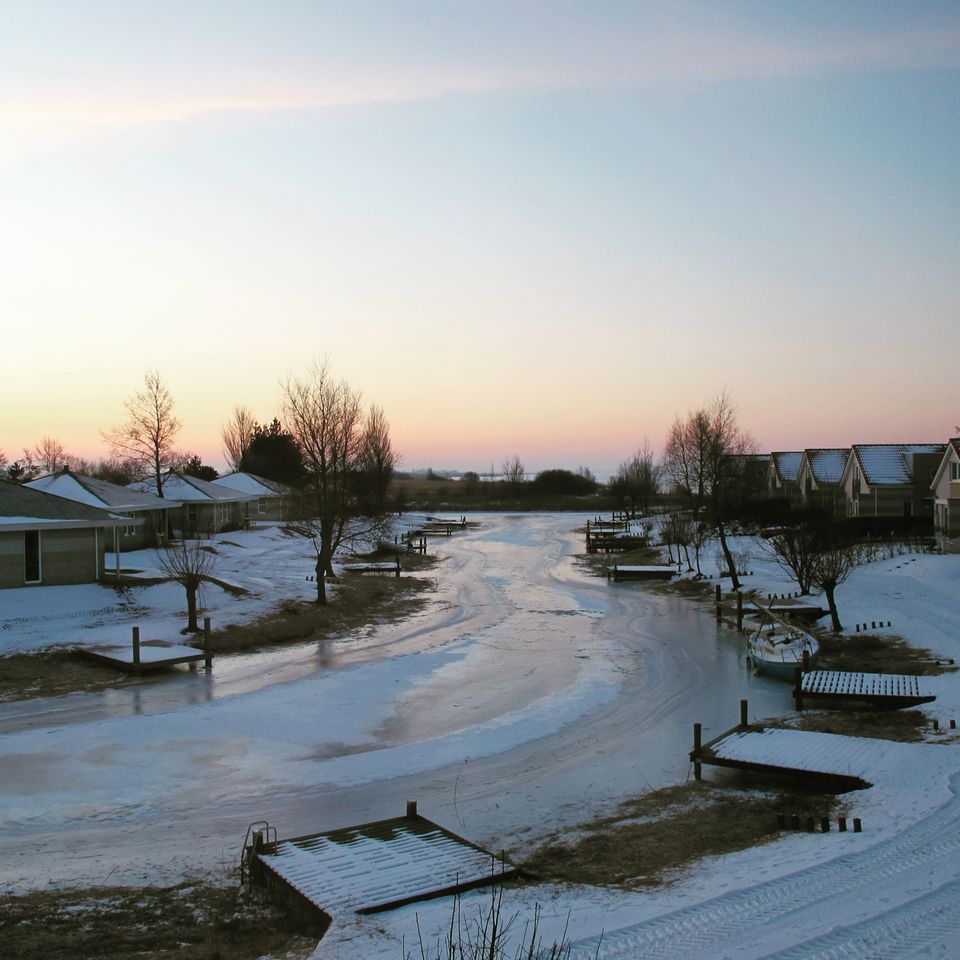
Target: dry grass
(877, 653)
(904, 726)
(189, 921)
(361, 601)
(661, 832)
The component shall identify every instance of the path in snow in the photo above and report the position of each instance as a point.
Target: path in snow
(890, 892)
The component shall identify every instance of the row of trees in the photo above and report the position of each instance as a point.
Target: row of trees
(337, 458)
(704, 460)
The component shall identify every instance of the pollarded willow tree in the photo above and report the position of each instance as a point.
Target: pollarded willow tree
(146, 438)
(189, 563)
(704, 458)
(325, 418)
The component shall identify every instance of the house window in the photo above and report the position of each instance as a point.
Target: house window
(192, 514)
(955, 471)
(31, 556)
(261, 504)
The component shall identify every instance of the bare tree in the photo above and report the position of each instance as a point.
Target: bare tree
(324, 416)
(699, 535)
(836, 559)
(47, 456)
(685, 459)
(189, 563)
(637, 480)
(378, 460)
(513, 473)
(147, 436)
(703, 457)
(679, 527)
(236, 434)
(797, 552)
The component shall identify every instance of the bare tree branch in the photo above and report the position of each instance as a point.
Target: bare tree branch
(236, 434)
(704, 458)
(147, 436)
(324, 416)
(513, 474)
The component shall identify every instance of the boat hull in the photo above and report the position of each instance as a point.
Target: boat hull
(780, 669)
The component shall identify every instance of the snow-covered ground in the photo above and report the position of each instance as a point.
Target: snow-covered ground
(527, 696)
(265, 562)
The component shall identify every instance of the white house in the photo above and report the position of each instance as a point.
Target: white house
(946, 491)
(270, 494)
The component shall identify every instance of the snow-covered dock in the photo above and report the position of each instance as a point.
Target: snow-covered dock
(785, 609)
(877, 689)
(390, 568)
(140, 657)
(838, 760)
(381, 865)
(640, 572)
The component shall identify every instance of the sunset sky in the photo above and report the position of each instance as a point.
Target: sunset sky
(526, 228)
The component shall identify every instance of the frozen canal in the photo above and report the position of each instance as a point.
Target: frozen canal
(527, 695)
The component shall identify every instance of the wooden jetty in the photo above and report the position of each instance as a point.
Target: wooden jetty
(142, 656)
(406, 544)
(834, 761)
(613, 536)
(436, 526)
(650, 571)
(373, 867)
(393, 568)
(787, 609)
(888, 691)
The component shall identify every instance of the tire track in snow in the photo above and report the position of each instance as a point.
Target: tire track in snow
(904, 933)
(729, 923)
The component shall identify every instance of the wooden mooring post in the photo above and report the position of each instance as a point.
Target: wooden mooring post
(697, 743)
(717, 596)
(798, 687)
(743, 713)
(739, 610)
(136, 646)
(207, 658)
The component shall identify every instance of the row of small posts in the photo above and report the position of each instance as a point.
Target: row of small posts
(810, 823)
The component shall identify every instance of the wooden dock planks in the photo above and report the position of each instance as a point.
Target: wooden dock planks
(381, 865)
(836, 761)
(153, 655)
(881, 689)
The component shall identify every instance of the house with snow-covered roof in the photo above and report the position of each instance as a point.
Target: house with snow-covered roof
(890, 479)
(946, 491)
(270, 494)
(818, 478)
(51, 540)
(152, 510)
(782, 475)
(205, 508)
